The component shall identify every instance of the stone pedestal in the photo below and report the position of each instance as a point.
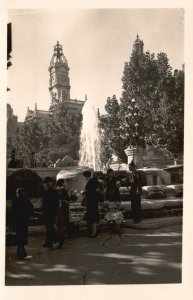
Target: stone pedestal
(149, 157)
(135, 153)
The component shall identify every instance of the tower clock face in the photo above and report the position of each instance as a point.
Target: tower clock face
(61, 77)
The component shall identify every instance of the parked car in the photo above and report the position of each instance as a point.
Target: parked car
(155, 184)
(176, 173)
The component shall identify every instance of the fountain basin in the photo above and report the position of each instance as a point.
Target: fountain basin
(73, 178)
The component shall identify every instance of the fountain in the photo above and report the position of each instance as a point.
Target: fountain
(90, 138)
(89, 154)
(89, 151)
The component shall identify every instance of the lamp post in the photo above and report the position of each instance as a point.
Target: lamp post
(133, 115)
(133, 151)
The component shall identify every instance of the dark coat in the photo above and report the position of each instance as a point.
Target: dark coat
(63, 207)
(92, 198)
(135, 183)
(21, 210)
(112, 192)
(135, 195)
(50, 204)
(13, 164)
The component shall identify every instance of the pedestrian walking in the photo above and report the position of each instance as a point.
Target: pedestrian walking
(21, 210)
(63, 211)
(92, 195)
(135, 192)
(50, 209)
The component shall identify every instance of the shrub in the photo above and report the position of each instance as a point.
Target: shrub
(27, 179)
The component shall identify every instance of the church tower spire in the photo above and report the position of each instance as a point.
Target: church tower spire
(59, 84)
(138, 46)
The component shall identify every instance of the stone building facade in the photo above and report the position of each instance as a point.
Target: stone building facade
(11, 127)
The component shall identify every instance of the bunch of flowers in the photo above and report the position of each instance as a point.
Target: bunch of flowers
(114, 217)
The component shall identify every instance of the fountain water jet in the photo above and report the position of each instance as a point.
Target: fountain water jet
(89, 138)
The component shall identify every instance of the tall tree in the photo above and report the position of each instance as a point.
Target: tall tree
(29, 139)
(111, 142)
(169, 130)
(143, 82)
(151, 107)
(158, 96)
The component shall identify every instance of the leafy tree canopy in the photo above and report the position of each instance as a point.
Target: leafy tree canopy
(151, 109)
(59, 132)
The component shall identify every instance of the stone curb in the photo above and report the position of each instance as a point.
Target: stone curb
(154, 223)
(144, 225)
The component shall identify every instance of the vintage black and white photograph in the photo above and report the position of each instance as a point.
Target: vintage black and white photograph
(95, 146)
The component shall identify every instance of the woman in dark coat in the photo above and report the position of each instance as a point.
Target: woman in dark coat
(22, 209)
(92, 190)
(135, 192)
(63, 211)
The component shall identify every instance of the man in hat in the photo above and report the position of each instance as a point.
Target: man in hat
(135, 192)
(50, 209)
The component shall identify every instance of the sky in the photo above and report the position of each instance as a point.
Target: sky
(96, 43)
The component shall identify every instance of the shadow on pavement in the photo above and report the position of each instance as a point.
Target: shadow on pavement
(134, 257)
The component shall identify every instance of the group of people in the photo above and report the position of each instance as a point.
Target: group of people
(56, 210)
(55, 207)
(16, 163)
(96, 192)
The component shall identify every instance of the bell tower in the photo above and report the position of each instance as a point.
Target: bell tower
(59, 83)
(138, 46)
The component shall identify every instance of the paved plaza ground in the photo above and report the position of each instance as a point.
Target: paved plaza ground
(137, 256)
